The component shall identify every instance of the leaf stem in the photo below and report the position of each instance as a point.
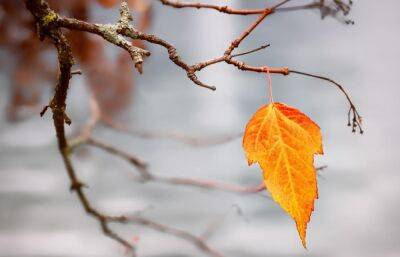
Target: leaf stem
(269, 85)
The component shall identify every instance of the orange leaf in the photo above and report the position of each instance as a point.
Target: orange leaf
(283, 141)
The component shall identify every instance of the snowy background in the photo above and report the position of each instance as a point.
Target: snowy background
(358, 212)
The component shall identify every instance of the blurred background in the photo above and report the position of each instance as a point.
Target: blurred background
(358, 211)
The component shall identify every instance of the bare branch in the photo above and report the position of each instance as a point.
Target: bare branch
(114, 35)
(214, 225)
(195, 240)
(172, 135)
(235, 43)
(41, 11)
(251, 51)
(139, 164)
(222, 9)
(147, 176)
(354, 118)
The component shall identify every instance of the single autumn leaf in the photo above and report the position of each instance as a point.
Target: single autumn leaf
(283, 141)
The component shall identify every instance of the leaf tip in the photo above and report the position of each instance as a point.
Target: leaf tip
(301, 226)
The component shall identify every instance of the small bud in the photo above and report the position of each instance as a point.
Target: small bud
(139, 67)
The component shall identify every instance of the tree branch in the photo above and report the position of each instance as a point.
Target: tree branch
(49, 25)
(113, 33)
(44, 16)
(222, 9)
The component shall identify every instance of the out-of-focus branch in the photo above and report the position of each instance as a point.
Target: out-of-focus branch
(197, 241)
(85, 137)
(135, 161)
(97, 116)
(147, 176)
(189, 140)
(216, 224)
(326, 8)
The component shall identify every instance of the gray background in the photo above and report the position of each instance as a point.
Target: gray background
(358, 211)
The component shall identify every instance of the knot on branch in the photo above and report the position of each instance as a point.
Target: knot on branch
(233, 45)
(112, 33)
(172, 54)
(191, 75)
(46, 23)
(76, 185)
(57, 111)
(240, 65)
(284, 70)
(49, 18)
(224, 8)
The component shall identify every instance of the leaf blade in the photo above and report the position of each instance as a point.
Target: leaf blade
(283, 141)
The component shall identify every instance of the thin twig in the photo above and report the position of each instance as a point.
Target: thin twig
(235, 43)
(148, 176)
(325, 8)
(222, 9)
(195, 240)
(138, 163)
(354, 118)
(215, 224)
(251, 51)
(189, 140)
